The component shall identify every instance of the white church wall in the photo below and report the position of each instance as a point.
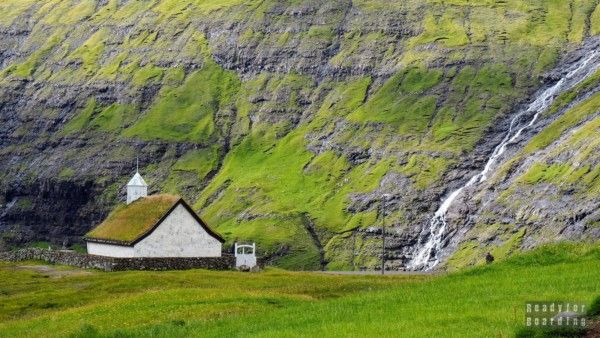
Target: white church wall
(135, 192)
(179, 235)
(109, 250)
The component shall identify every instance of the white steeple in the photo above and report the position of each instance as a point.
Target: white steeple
(137, 181)
(137, 187)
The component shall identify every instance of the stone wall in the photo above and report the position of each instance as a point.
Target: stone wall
(227, 261)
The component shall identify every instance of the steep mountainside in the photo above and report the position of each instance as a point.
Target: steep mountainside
(285, 122)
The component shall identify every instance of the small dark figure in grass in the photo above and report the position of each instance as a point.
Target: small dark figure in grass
(489, 258)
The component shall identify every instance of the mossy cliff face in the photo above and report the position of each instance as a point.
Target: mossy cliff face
(548, 187)
(282, 122)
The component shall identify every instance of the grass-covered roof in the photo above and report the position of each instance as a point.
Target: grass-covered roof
(127, 223)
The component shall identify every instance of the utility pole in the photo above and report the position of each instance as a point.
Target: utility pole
(354, 250)
(384, 198)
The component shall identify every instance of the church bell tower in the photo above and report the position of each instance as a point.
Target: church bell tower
(137, 187)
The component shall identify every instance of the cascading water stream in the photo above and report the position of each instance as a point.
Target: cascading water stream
(427, 256)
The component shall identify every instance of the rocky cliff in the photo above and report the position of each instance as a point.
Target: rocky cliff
(285, 122)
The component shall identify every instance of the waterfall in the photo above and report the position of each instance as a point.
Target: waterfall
(427, 256)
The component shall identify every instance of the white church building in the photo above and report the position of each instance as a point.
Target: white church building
(153, 226)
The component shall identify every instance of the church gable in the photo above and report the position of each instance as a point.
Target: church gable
(180, 234)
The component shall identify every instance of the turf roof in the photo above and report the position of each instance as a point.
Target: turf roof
(127, 223)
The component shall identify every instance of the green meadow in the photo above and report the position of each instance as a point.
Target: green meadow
(486, 301)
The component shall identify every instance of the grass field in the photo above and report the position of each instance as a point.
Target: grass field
(487, 301)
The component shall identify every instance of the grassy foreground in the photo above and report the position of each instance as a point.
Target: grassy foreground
(481, 302)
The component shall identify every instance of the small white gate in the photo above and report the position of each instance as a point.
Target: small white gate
(245, 255)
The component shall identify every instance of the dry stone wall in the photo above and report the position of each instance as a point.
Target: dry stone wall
(225, 262)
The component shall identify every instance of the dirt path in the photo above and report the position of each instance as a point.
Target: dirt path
(52, 271)
(387, 273)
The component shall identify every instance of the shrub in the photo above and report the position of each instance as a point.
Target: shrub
(594, 309)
